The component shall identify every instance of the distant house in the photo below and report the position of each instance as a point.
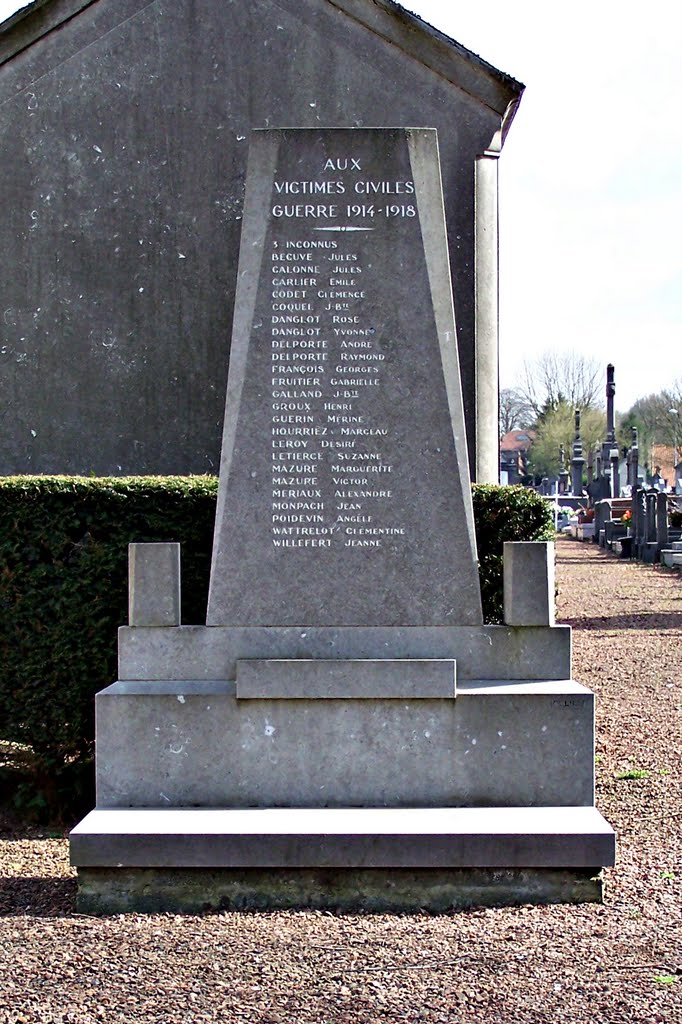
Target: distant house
(514, 449)
(662, 468)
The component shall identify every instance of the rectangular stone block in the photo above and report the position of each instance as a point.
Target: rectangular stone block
(529, 583)
(195, 744)
(369, 837)
(154, 584)
(104, 890)
(201, 652)
(345, 679)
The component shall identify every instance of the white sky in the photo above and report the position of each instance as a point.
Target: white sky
(8, 7)
(590, 179)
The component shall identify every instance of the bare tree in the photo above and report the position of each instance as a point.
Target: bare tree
(658, 417)
(554, 378)
(515, 412)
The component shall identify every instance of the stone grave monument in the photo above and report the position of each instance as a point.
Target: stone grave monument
(345, 731)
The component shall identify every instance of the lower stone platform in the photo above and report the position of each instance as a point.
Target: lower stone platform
(347, 890)
(194, 859)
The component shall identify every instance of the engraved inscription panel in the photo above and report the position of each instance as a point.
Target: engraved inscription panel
(341, 498)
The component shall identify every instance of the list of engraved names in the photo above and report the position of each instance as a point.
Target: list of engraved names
(333, 475)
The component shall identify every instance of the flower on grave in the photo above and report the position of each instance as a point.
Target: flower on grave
(626, 517)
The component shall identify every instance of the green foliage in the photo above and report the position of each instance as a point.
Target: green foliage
(556, 427)
(632, 774)
(63, 594)
(505, 514)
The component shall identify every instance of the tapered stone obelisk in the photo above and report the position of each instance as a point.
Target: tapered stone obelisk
(344, 493)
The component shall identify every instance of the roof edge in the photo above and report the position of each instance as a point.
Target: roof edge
(437, 51)
(30, 23)
(387, 18)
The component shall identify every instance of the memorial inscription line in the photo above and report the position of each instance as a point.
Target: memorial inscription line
(327, 366)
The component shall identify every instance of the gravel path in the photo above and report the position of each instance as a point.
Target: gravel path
(608, 964)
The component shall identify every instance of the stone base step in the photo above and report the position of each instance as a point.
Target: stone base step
(671, 557)
(191, 860)
(495, 837)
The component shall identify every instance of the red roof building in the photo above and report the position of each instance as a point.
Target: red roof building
(514, 448)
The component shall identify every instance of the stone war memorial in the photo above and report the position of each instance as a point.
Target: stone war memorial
(345, 731)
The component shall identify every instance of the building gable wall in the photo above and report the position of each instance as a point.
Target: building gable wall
(123, 142)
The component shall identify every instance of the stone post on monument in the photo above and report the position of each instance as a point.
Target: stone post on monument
(577, 462)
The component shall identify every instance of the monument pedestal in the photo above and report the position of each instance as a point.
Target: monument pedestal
(498, 742)
(345, 731)
(356, 782)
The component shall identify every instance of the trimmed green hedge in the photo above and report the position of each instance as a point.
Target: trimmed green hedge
(63, 592)
(502, 514)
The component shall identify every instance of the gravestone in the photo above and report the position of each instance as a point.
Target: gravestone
(345, 731)
(577, 462)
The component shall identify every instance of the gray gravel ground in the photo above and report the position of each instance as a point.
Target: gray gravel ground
(617, 962)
